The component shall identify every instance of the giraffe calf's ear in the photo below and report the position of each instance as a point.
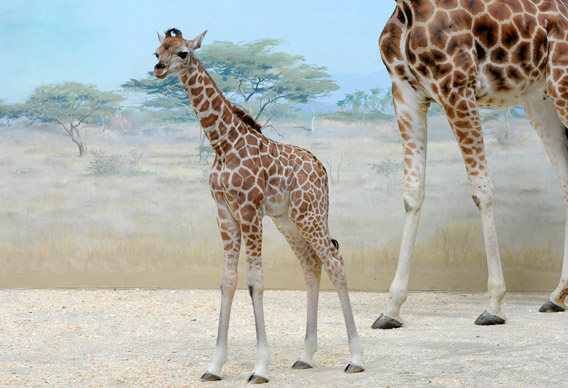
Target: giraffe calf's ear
(160, 37)
(196, 43)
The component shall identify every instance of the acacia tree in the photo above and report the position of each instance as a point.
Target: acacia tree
(166, 94)
(169, 96)
(70, 105)
(163, 98)
(10, 112)
(252, 74)
(257, 75)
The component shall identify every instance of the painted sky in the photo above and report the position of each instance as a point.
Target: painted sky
(107, 42)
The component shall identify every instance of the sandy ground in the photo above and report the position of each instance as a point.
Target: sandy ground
(164, 338)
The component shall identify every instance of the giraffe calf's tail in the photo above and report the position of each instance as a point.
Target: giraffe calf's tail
(335, 243)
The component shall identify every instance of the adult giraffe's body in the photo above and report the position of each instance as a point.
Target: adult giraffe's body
(254, 176)
(465, 55)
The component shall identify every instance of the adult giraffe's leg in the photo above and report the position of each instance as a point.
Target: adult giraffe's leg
(463, 115)
(411, 108)
(554, 135)
(251, 229)
(317, 235)
(311, 266)
(231, 236)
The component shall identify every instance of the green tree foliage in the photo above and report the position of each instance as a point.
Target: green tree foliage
(10, 112)
(3, 108)
(70, 105)
(257, 75)
(167, 98)
(376, 100)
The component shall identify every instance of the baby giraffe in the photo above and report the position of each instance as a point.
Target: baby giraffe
(254, 176)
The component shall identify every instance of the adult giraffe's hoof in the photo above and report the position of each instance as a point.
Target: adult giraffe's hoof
(301, 365)
(487, 319)
(384, 322)
(210, 377)
(550, 307)
(256, 379)
(352, 368)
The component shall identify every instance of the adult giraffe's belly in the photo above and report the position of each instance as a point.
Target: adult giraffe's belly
(499, 88)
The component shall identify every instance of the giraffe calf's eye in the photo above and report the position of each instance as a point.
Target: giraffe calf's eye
(182, 54)
(157, 56)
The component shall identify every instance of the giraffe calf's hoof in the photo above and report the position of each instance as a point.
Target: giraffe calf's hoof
(487, 319)
(210, 377)
(301, 365)
(550, 307)
(384, 322)
(352, 368)
(256, 379)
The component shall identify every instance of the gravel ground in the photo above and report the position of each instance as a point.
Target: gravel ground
(164, 338)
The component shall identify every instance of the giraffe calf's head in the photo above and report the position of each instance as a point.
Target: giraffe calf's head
(174, 54)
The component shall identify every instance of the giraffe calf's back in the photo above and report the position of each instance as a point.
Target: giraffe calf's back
(294, 177)
(270, 175)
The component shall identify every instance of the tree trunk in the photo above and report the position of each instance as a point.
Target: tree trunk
(82, 149)
(77, 140)
(313, 124)
(201, 145)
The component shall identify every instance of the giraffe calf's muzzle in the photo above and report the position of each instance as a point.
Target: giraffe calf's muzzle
(160, 71)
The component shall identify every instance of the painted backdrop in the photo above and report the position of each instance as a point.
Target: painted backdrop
(103, 170)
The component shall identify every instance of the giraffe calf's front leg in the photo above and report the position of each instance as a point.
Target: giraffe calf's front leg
(259, 374)
(251, 228)
(231, 236)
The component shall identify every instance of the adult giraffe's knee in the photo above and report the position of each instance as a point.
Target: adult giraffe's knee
(482, 192)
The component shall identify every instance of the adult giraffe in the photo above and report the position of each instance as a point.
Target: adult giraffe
(466, 55)
(254, 176)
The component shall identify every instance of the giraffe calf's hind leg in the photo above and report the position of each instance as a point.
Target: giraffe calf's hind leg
(319, 240)
(311, 266)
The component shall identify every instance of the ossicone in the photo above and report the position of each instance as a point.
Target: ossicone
(174, 32)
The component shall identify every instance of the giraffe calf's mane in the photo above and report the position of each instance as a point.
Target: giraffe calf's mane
(241, 114)
(246, 118)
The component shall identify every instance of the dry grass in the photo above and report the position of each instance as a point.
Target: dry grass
(56, 218)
